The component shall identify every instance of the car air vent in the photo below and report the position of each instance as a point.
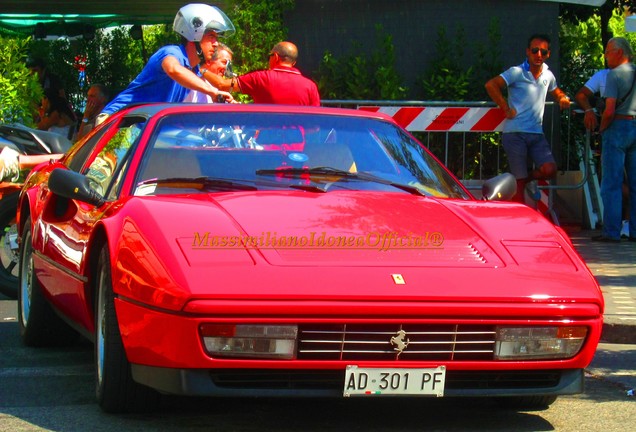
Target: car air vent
(478, 256)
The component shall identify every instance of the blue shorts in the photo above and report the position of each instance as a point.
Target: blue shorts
(519, 145)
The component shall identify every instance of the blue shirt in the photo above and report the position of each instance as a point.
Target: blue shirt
(596, 84)
(527, 95)
(153, 84)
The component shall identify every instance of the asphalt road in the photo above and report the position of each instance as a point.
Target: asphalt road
(52, 390)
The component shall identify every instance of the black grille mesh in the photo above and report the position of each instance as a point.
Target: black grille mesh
(334, 380)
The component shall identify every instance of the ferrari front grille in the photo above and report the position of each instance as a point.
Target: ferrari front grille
(395, 342)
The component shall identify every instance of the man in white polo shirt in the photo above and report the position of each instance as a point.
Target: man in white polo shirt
(523, 137)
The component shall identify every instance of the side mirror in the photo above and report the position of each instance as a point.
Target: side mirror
(75, 186)
(500, 188)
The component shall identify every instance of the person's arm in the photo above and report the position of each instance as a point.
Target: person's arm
(561, 98)
(30, 161)
(220, 82)
(608, 114)
(582, 98)
(189, 79)
(495, 87)
(90, 112)
(84, 129)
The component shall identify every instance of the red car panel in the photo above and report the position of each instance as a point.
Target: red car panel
(203, 261)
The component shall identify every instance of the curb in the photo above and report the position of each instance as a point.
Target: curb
(618, 333)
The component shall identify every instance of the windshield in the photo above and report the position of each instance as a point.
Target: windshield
(203, 152)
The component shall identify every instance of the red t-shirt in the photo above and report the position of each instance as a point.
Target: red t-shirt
(281, 85)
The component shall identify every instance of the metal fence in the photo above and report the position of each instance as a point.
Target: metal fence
(466, 137)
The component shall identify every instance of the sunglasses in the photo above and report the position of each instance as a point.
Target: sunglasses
(544, 52)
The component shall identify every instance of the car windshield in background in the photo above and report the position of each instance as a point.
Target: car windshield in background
(264, 151)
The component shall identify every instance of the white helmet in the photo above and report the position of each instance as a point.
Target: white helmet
(193, 20)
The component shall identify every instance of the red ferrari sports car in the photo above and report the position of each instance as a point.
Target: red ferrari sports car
(295, 251)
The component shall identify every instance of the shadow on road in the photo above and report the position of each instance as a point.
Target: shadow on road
(53, 390)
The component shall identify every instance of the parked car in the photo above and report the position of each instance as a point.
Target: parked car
(28, 142)
(243, 250)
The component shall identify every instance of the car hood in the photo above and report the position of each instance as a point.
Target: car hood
(345, 229)
(345, 245)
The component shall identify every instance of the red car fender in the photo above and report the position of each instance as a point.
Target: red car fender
(140, 267)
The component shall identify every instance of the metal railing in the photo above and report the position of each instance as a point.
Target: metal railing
(568, 148)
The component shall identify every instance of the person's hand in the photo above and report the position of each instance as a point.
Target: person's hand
(511, 113)
(564, 102)
(91, 109)
(590, 121)
(227, 96)
(9, 165)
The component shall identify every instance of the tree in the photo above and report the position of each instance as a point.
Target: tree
(259, 26)
(577, 13)
(361, 76)
(20, 92)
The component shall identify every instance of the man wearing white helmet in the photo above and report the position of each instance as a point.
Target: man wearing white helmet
(171, 72)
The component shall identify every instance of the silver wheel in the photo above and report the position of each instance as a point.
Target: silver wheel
(26, 281)
(115, 388)
(100, 318)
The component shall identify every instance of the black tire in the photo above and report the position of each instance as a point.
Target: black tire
(526, 403)
(115, 388)
(9, 255)
(39, 325)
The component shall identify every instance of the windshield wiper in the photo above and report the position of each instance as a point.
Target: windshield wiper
(307, 187)
(329, 171)
(200, 183)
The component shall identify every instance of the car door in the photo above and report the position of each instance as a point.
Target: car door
(66, 226)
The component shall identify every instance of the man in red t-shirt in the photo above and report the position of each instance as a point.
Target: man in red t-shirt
(282, 83)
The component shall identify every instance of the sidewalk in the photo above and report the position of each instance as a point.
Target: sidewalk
(614, 266)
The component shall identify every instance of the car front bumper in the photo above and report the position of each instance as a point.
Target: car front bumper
(330, 383)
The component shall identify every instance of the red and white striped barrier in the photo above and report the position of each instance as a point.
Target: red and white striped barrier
(543, 203)
(454, 119)
(444, 119)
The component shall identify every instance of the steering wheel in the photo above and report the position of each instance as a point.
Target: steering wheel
(224, 136)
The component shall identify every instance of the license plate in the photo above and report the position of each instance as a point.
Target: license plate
(386, 382)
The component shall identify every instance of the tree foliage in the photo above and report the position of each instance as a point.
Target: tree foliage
(20, 91)
(574, 14)
(488, 61)
(582, 49)
(357, 75)
(447, 77)
(113, 57)
(259, 26)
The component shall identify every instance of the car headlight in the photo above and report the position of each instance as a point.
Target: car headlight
(517, 343)
(250, 340)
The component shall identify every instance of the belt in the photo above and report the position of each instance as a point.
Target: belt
(624, 117)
